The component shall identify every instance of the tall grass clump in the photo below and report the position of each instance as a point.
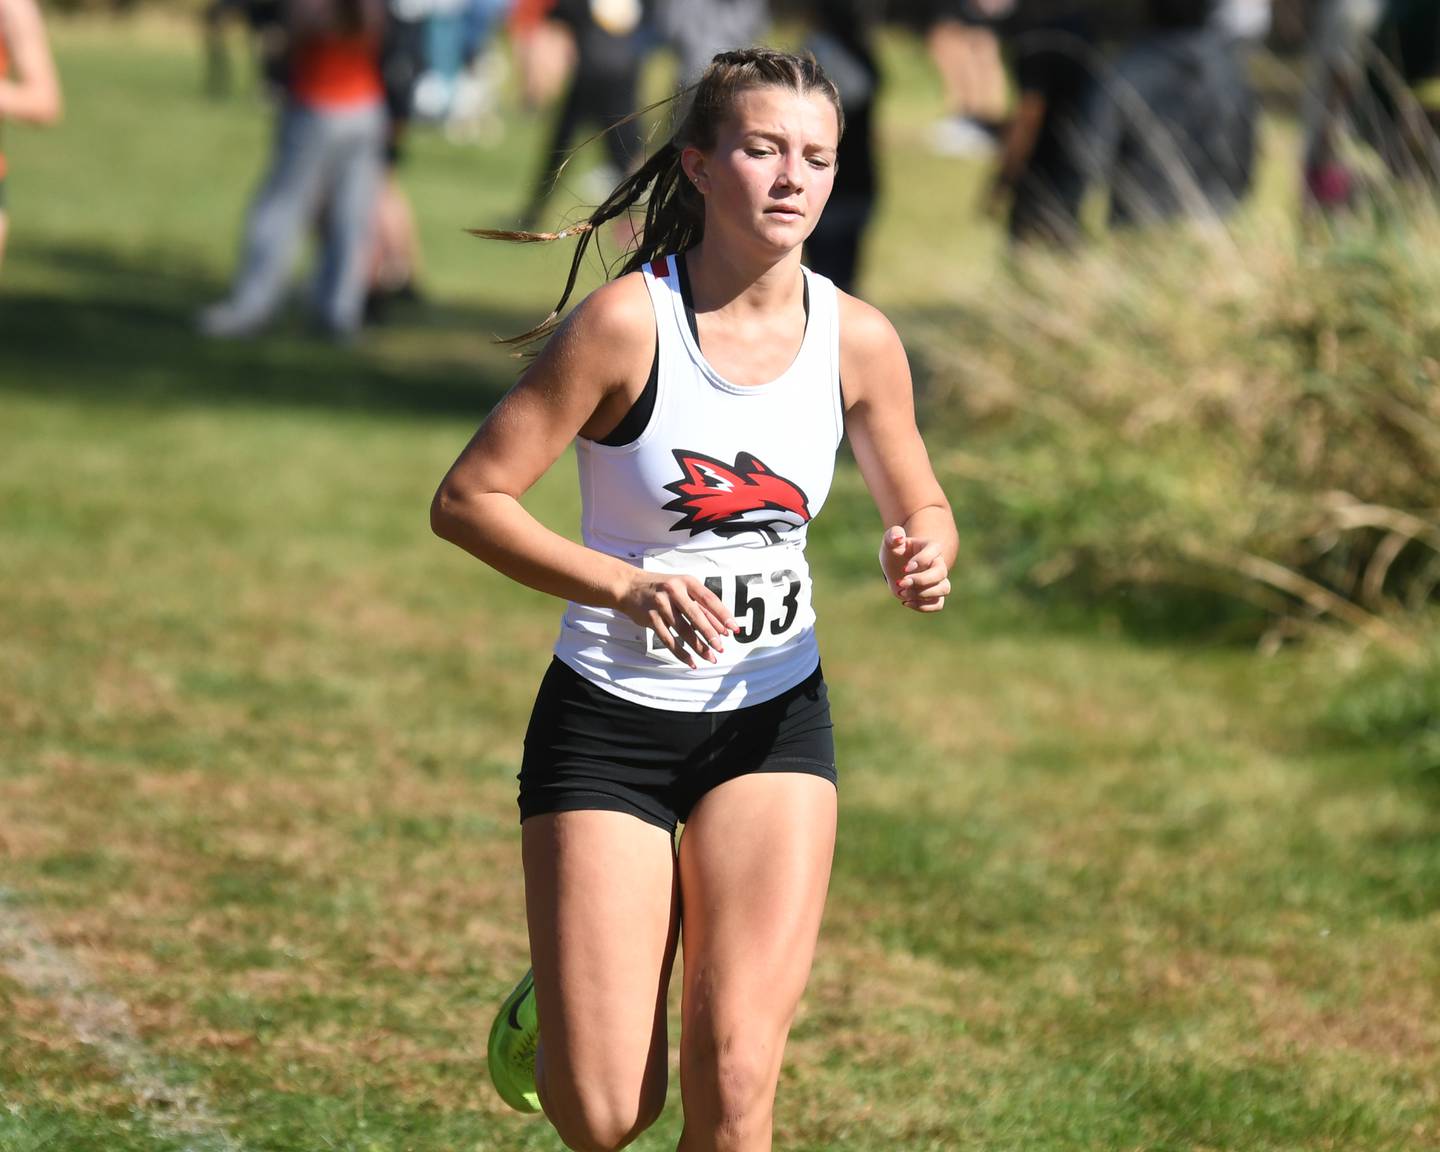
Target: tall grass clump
(1245, 427)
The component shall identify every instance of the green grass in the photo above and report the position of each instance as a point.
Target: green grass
(258, 730)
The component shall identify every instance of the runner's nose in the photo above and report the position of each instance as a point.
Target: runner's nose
(792, 174)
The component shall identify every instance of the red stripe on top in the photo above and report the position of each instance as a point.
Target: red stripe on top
(337, 72)
(660, 268)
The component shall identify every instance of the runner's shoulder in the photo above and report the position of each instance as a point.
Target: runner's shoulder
(868, 341)
(616, 319)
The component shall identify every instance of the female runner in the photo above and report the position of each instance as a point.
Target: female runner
(703, 392)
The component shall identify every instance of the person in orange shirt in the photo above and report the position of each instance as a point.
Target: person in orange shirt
(29, 87)
(326, 165)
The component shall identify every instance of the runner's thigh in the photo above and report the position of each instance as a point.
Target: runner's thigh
(754, 869)
(600, 898)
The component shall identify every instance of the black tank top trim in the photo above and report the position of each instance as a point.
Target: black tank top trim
(634, 422)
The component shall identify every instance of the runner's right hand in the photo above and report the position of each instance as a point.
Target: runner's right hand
(681, 611)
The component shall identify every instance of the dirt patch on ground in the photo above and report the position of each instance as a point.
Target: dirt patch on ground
(1389, 1013)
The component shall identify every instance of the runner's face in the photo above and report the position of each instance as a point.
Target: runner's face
(772, 167)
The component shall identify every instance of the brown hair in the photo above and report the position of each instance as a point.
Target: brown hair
(674, 210)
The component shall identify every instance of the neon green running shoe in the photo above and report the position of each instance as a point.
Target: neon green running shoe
(513, 1039)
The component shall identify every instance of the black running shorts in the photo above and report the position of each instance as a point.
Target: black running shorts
(588, 749)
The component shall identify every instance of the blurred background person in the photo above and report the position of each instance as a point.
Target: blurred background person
(427, 51)
(474, 115)
(1339, 46)
(394, 264)
(326, 165)
(842, 42)
(603, 93)
(29, 85)
(543, 49)
(697, 29)
(962, 42)
(395, 255)
(1040, 173)
(1172, 132)
(456, 34)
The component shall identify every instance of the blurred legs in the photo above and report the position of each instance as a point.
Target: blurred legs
(356, 141)
(326, 162)
(282, 208)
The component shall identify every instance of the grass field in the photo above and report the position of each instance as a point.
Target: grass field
(259, 881)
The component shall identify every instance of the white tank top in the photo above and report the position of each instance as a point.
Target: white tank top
(721, 484)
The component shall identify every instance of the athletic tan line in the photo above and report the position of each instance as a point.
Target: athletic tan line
(99, 1020)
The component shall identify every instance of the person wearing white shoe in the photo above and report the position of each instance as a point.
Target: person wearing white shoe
(327, 163)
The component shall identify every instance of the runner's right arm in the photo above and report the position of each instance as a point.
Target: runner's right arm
(580, 383)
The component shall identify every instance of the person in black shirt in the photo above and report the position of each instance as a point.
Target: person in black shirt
(841, 43)
(1042, 169)
(1169, 131)
(603, 91)
(1172, 132)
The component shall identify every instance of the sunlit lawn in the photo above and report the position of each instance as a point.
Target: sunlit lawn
(258, 729)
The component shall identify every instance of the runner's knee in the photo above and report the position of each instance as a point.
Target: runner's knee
(736, 1075)
(606, 1119)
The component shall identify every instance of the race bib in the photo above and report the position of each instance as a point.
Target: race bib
(767, 590)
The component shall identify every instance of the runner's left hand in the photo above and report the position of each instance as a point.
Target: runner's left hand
(915, 570)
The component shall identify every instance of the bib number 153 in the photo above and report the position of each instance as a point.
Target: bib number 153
(765, 605)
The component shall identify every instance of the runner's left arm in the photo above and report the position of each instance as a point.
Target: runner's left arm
(920, 541)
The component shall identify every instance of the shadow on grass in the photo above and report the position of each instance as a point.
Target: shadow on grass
(109, 327)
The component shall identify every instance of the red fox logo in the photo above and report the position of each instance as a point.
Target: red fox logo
(729, 499)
